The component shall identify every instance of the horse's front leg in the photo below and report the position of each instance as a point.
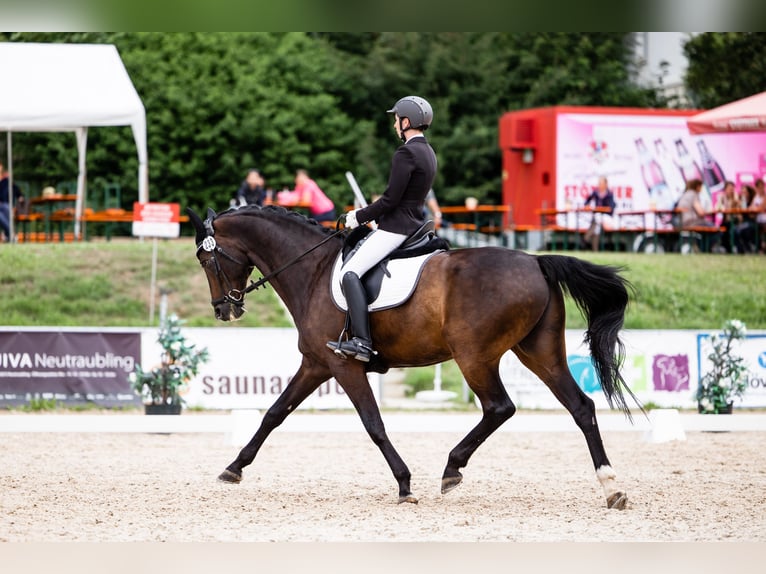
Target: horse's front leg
(306, 380)
(354, 381)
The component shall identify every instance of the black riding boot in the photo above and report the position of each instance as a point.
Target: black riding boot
(360, 345)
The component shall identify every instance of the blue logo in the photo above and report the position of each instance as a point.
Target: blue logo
(584, 373)
(762, 359)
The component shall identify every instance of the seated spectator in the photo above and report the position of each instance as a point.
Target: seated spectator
(692, 212)
(252, 191)
(307, 191)
(726, 201)
(600, 197)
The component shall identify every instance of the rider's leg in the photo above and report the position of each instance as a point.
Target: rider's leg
(377, 245)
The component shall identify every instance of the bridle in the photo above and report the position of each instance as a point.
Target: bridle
(231, 295)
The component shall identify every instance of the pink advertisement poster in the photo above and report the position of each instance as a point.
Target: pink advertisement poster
(647, 159)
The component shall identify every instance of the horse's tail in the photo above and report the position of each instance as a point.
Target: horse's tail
(602, 295)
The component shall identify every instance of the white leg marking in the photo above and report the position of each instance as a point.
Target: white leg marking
(606, 476)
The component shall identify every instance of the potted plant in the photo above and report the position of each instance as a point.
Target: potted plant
(727, 377)
(161, 386)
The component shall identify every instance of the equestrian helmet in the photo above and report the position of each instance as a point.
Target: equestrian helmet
(416, 109)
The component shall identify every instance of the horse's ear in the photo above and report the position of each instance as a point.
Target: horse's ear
(199, 226)
(211, 214)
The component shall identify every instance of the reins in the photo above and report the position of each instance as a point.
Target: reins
(235, 296)
(263, 280)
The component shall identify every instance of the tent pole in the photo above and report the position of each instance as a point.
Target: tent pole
(12, 238)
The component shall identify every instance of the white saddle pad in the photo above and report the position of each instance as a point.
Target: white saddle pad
(395, 290)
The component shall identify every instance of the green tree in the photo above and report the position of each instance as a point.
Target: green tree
(219, 103)
(724, 67)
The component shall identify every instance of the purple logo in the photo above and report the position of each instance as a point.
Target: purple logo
(670, 373)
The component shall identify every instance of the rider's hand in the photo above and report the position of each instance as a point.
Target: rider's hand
(351, 221)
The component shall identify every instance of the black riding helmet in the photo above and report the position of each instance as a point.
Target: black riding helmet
(416, 109)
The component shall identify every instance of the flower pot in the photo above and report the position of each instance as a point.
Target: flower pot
(163, 409)
(727, 410)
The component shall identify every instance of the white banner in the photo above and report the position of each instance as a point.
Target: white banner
(662, 367)
(249, 369)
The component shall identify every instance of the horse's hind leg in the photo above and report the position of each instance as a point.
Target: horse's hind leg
(543, 353)
(497, 408)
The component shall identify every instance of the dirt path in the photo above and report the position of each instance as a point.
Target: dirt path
(336, 487)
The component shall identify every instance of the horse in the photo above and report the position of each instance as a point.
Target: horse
(470, 305)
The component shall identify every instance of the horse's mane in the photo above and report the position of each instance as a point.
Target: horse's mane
(279, 212)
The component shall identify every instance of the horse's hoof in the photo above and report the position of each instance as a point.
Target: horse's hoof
(407, 498)
(617, 501)
(230, 477)
(451, 482)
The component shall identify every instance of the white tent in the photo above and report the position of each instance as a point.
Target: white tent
(69, 87)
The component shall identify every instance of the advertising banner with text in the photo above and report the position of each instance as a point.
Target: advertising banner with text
(647, 161)
(661, 367)
(69, 367)
(249, 368)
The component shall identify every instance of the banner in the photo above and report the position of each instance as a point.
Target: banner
(249, 369)
(69, 367)
(661, 367)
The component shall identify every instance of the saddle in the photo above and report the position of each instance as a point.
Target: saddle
(418, 247)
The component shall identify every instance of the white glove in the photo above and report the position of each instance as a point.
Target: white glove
(351, 221)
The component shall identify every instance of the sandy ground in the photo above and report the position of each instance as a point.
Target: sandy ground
(336, 487)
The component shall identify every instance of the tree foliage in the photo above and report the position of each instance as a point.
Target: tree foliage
(220, 103)
(724, 67)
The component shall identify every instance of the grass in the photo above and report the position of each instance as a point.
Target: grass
(108, 284)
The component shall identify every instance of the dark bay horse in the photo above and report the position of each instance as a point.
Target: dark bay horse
(471, 305)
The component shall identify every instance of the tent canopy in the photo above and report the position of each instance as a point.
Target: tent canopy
(69, 87)
(745, 115)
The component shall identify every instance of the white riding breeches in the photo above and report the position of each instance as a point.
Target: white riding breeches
(376, 246)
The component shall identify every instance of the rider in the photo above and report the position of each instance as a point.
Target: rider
(398, 213)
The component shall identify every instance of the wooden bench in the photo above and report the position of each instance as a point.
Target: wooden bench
(688, 235)
(23, 221)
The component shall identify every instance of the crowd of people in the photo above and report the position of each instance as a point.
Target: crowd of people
(742, 212)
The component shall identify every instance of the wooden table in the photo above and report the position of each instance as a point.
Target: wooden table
(484, 218)
(48, 203)
(549, 221)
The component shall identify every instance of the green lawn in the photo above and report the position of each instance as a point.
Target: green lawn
(108, 284)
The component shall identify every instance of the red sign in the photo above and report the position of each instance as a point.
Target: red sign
(156, 219)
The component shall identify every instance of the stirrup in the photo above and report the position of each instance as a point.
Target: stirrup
(334, 346)
(360, 349)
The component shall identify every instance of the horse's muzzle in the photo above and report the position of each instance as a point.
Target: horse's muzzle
(228, 312)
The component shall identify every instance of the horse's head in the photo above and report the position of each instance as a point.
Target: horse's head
(226, 267)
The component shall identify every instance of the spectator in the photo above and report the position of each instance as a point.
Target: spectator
(746, 229)
(692, 212)
(759, 206)
(6, 209)
(726, 201)
(252, 190)
(600, 197)
(432, 209)
(307, 191)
